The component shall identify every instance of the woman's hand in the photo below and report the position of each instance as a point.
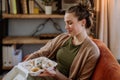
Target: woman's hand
(53, 73)
(48, 72)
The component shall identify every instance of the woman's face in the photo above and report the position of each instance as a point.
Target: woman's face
(73, 26)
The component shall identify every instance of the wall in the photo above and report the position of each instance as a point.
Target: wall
(115, 27)
(26, 27)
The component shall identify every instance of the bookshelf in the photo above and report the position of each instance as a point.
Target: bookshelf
(24, 40)
(30, 16)
(0, 36)
(7, 68)
(27, 39)
(15, 40)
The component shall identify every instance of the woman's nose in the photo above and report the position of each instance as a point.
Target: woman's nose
(67, 26)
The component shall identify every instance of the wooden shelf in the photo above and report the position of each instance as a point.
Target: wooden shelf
(24, 40)
(7, 68)
(31, 16)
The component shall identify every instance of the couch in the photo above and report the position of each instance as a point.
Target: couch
(107, 67)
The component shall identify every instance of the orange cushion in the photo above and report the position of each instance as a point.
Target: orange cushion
(107, 67)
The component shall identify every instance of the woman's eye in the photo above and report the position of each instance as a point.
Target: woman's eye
(69, 23)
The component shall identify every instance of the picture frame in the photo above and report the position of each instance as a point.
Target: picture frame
(65, 4)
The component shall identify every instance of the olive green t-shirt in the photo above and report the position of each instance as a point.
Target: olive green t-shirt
(65, 56)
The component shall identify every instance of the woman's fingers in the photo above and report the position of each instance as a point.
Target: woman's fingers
(50, 71)
(47, 72)
(44, 74)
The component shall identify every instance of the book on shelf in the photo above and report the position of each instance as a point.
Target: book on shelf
(11, 56)
(10, 53)
(13, 6)
(3, 6)
(19, 6)
(7, 6)
(4, 56)
(31, 6)
(24, 6)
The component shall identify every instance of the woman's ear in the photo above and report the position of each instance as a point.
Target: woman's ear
(83, 22)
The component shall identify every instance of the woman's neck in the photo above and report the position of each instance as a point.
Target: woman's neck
(79, 38)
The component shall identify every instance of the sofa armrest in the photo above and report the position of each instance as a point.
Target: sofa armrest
(107, 67)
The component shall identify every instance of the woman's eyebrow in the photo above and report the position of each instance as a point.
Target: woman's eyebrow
(67, 20)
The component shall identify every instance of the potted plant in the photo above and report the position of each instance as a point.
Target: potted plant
(48, 6)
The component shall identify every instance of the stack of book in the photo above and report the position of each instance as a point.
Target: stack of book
(11, 56)
(18, 6)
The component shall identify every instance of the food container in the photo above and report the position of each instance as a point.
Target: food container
(35, 71)
(16, 74)
(33, 67)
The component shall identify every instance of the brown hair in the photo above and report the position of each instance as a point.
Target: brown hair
(81, 12)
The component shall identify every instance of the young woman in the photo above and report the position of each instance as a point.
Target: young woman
(75, 53)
